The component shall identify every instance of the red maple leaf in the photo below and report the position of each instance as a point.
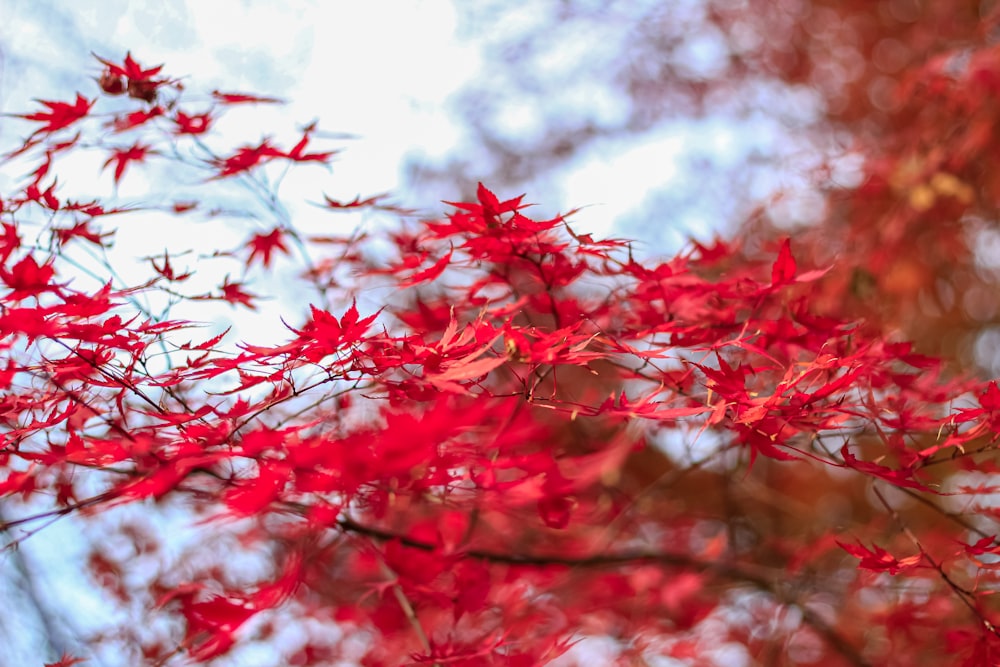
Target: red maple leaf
(265, 244)
(428, 274)
(990, 398)
(234, 294)
(27, 278)
(211, 624)
(60, 114)
(167, 270)
(243, 98)
(9, 241)
(297, 153)
(18, 482)
(80, 230)
(123, 156)
(784, 268)
(183, 206)
(357, 202)
(330, 333)
(490, 208)
(878, 559)
(193, 124)
(901, 478)
(135, 119)
(251, 496)
(45, 197)
(245, 158)
(65, 661)
(139, 83)
(130, 69)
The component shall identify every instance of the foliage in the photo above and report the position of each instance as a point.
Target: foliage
(485, 437)
(865, 127)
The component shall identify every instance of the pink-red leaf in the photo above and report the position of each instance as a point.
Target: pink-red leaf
(123, 156)
(243, 98)
(783, 270)
(878, 559)
(264, 245)
(60, 114)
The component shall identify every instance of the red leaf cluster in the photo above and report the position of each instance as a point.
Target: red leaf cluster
(483, 436)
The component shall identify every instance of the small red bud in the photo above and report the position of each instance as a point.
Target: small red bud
(143, 90)
(112, 84)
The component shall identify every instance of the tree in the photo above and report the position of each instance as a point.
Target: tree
(481, 439)
(879, 115)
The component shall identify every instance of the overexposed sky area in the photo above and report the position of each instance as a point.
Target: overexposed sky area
(380, 71)
(377, 70)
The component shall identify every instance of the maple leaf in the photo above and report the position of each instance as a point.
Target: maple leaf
(647, 408)
(211, 624)
(139, 83)
(331, 333)
(80, 230)
(46, 198)
(990, 398)
(467, 368)
(123, 156)
(93, 209)
(130, 69)
(234, 294)
(986, 545)
(490, 208)
(65, 661)
(27, 278)
(251, 496)
(297, 153)
(94, 452)
(265, 244)
(167, 270)
(19, 482)
(783, 271)
(193, 124)
(245, 158)
(60, 114)
(31, 323)
(430, 273)
(714, 253)
(135, 119)
(244, 98)
(878, 559)
(900, 478)
(183, 206)
(9, 241)
(357, 202)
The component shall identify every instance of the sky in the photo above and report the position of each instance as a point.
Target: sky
(381, 72)
(377, 76)
(357, 67)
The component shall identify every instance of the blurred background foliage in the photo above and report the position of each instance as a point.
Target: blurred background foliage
(864, 129)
